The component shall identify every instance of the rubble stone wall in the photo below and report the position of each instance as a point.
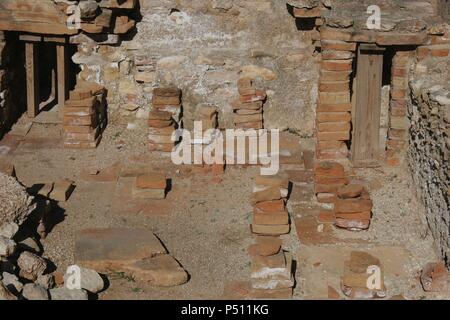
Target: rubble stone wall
(429, 149)
(203, 47)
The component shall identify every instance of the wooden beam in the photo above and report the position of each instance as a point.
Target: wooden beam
(367, 110)
(30, 38)
(371, 47)
(32, 70)
(55, 39)
(62, 78)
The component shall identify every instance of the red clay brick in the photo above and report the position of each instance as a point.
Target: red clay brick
(334, 117)
(334, 75)
(326, 217)
(259, 95)
(326, 198)
(399, 72)
(439, 53)
(326, 136)
(338, 45)
(333, 126)
(366, 215)
(353, 205)
(340, 86)
(343, 107)
(331, 145)
(151, 181)
(327, 188)
(350, 191)
(330, 180)
(398, 93)
(329, 169)
(160, 123)
(337, 65)
(270, 206)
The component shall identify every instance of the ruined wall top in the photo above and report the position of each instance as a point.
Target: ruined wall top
(397, 16)
(66, 17)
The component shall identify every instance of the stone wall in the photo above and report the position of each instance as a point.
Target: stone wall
(429, 148)
(203, 47)
(12, 82)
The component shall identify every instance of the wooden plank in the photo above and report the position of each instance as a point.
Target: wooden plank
(35, 27)
(371, 47)
(62, 71)
(366, 124)
(32, 70)
(30, 38)
(56, 39)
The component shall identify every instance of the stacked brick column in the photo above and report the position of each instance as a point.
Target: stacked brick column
(398, 122)
(328, 178)
(271, 266)
(84, 116)
(248, 109)
(270, 216)
(353, 208)
(161, 131)
(208, 116)
(169, 100)
(334, 105)
(164, 119)
(352, 204)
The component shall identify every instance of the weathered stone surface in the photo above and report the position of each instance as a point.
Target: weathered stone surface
(274, 230)
(62, 190)
(29, 244)
(90, 280)
(12, 283)
(68, 294)
(31, 266)
(274, 62)
(15, 203)
(162, 270)
(7, 247)
(8, 230)
(33, 291)
(435, 278)
(5, 294)
(88, 8)
(110, 249)
(46, 281)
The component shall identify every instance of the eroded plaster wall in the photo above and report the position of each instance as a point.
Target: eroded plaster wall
(203, 47)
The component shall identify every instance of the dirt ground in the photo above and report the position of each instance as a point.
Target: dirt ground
(204, 222)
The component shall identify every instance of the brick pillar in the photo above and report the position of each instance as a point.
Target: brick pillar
(398, 120)
(334, 106)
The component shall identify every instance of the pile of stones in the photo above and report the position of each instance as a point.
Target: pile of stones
(24, 273)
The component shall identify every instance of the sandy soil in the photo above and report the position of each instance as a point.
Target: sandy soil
(205, 224)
